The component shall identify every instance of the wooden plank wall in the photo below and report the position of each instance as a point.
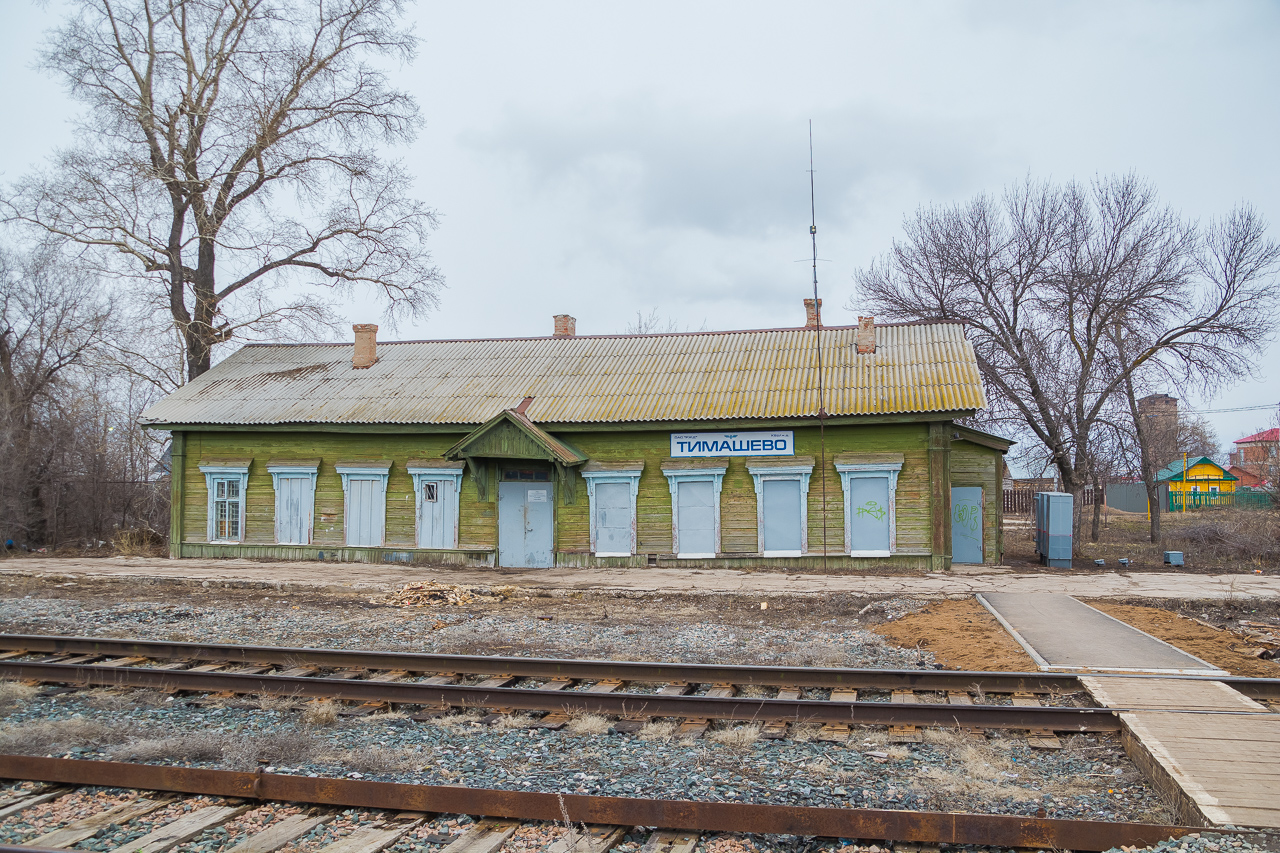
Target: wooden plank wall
(478, 521)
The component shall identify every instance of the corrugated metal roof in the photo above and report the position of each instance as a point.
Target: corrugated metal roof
(587, 379)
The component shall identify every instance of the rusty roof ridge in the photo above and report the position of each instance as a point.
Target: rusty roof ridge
(598, 337)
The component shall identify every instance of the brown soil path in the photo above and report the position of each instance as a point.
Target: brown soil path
(1219, 647)
(962, 635)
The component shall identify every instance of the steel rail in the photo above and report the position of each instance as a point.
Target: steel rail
(615, 704)
(642, 671)
(879, 824)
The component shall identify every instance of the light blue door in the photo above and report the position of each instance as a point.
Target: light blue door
(781, 515)
(868, 515)
(525, 525)
(966, 524)
(696, 518)
(613, 519)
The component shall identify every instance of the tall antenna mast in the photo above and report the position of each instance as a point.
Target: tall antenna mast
(817, 309)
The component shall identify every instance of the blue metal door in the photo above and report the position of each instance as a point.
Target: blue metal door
(966, 524)
(868, 516)
(526, 526)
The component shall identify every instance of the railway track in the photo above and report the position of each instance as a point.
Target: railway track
(633, 692)
(586, 824)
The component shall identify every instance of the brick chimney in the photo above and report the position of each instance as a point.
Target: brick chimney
(566, 326)
(866, 335)
(366, 352)
(812, 313)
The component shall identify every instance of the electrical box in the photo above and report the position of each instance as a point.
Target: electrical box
(1173, 558)
(1053, 517)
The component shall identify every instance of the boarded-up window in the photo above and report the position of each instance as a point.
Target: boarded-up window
(870, 483)
(781, 516)
(696, 518)
(365, 489)
(295, 485)
(611, 491)
(613, 518)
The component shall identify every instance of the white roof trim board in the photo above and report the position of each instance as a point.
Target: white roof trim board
(924, 367)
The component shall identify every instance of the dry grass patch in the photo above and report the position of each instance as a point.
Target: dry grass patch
(377, 759)
(320, 713)
(203, 746)
(515, 721)
(283, 748)
(123, 698)
(588, 724)
(13, 693)
(805, 732)
(663, 730)
(279, 704)
(459, 723)
(737, 737)
(55, 737)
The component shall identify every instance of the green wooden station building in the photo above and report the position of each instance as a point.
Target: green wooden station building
(702, 448)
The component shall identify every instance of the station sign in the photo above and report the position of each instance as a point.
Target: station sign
(687, 444)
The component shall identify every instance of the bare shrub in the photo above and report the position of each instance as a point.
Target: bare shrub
(14, 693)
(322, 712)
(588, 724)
(201, 746)
(57, 736)
(139, 542)
(245, 752)
(663, 730)
(278, 704)
(1252, 535)
(737, 737)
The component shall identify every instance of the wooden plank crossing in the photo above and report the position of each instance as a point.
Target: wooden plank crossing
(1209, 748)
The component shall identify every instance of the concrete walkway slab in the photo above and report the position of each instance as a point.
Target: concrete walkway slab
(382, 576)
(1061, 633)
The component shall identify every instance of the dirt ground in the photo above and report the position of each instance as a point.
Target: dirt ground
(1220, 647)
(962, 634)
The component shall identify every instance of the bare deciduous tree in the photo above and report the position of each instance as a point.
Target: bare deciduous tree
(228, 160)
(1069, 293)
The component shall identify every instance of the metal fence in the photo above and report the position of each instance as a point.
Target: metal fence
(1239, 500)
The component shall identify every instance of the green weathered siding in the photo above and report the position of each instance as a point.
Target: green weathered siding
(478, 519)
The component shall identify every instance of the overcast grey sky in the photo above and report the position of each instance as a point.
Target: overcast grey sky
(601, 159)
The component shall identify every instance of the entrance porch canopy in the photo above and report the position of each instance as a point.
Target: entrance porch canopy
(511, 435)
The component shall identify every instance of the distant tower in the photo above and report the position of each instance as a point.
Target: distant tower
(1160, 422)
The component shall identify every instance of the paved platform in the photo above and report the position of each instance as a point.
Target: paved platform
(962, 581)
(1210, 750)
(1063, 634)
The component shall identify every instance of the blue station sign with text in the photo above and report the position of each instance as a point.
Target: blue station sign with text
(780, 443)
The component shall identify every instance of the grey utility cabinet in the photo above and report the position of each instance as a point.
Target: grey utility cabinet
(1053, 512)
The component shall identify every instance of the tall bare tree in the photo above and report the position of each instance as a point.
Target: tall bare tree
(229, 159)
(1044, 276)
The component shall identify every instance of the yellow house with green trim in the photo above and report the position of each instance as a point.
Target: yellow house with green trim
(1198, 476)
